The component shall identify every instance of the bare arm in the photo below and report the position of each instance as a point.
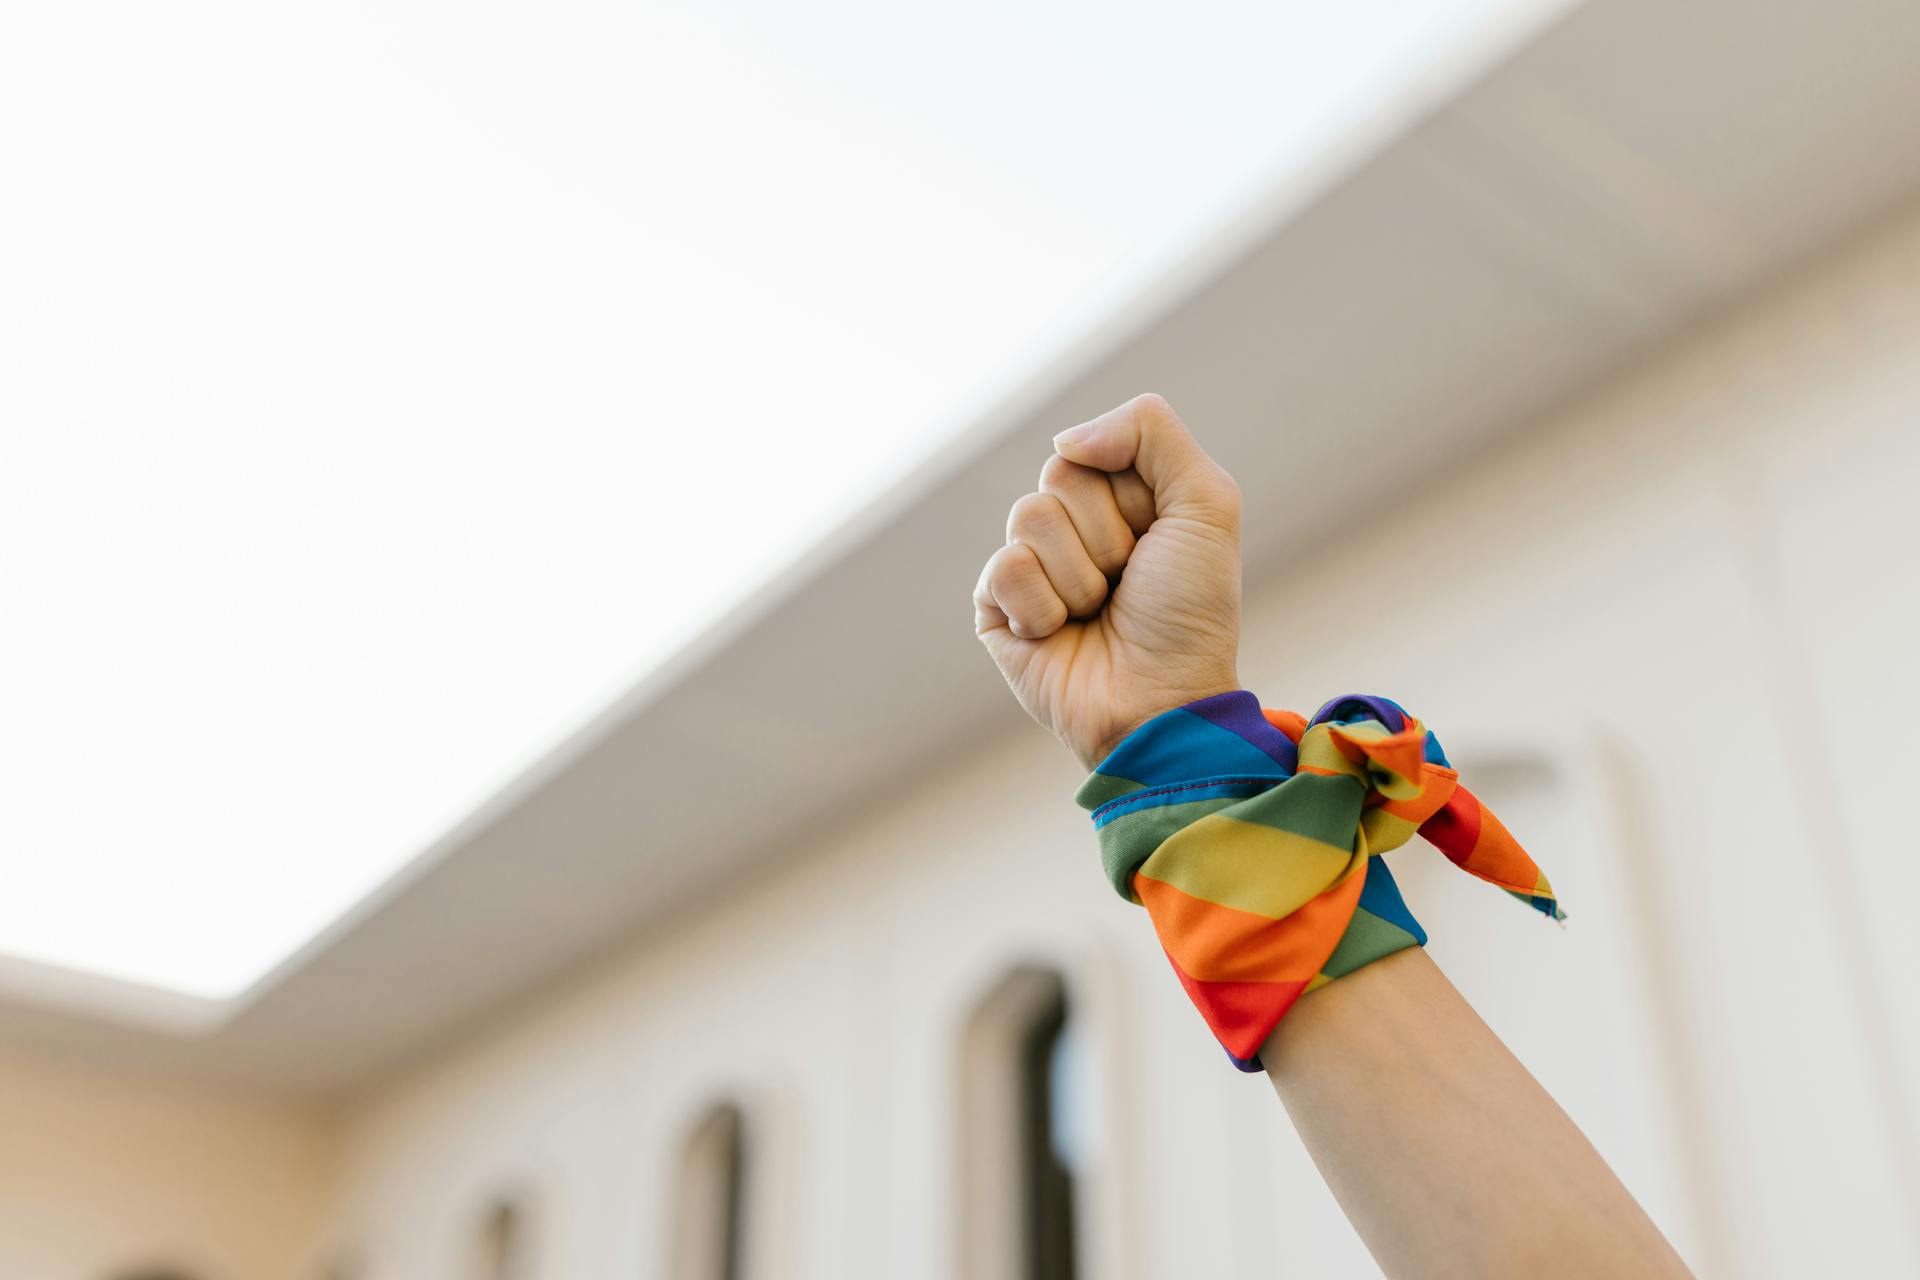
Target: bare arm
(1116, 597)
(1447, 1156)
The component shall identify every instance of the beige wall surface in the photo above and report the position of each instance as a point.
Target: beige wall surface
(107, 1173)
(1671, 635)
(1668, 634)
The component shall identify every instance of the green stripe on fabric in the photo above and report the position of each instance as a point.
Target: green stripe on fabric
(1368, 938)
(1100, 788)
(1130, 839)
(1247, 866)
(1313, 805)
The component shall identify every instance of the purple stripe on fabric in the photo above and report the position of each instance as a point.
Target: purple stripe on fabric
(1239, 714)
(1357, 706)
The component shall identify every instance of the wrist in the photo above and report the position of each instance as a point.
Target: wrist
(1252, 839)
(1150, 708)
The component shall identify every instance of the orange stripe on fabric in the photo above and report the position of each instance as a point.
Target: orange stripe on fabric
(1436, 788)
(1498, 857)
(1219, 944)
(1404, 753)
(1291, 723)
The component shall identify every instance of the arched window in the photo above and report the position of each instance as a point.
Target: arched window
(710, 1211)
(1019, 1139)
(501, 1250)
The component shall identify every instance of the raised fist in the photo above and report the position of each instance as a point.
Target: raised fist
(1117, 595)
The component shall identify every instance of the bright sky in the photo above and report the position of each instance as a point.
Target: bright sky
(386, 387)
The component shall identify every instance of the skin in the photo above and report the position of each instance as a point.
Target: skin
(1117, 597)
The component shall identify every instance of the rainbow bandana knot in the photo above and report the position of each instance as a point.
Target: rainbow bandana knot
(1251, 837)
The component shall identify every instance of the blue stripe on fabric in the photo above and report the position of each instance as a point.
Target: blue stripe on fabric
(1381, 896)
(1177, 746)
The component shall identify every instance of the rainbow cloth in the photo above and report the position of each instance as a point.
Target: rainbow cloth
(1251, 837)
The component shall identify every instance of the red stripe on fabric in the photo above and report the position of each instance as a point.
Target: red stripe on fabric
(1479, 843)
(1456, 828)
(1241, 1015)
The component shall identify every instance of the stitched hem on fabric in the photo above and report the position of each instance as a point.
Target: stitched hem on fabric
(1136, 797)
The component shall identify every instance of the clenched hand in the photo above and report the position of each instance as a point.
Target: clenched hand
(1117, 595)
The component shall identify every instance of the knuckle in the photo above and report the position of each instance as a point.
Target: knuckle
(1024, 592)
(1155, 405)
(1056, 473)
(1110, 559)
(1154, 413)
(1087, 596)
(1019, 569)
(1007, 564)
(1032, 513)
(983, 585)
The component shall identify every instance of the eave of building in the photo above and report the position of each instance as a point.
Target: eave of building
(1468, 260)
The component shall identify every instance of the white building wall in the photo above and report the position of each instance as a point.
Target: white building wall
(1670, 634)
(103, 1172)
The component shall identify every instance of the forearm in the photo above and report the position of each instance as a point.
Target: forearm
(1447, 1156)
(1252, 838)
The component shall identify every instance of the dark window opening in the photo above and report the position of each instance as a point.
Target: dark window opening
(710, 1233)
(500, 1252)
(1023, 1138)
(1047, 1179)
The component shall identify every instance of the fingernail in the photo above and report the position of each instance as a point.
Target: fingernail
(1073, 435)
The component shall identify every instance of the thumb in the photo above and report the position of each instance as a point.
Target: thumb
(1148, 436)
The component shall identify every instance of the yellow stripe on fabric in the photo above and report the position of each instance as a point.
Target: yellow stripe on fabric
(1386, 830)
(1389, 763)
(1245, 865)
(1319, 753)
